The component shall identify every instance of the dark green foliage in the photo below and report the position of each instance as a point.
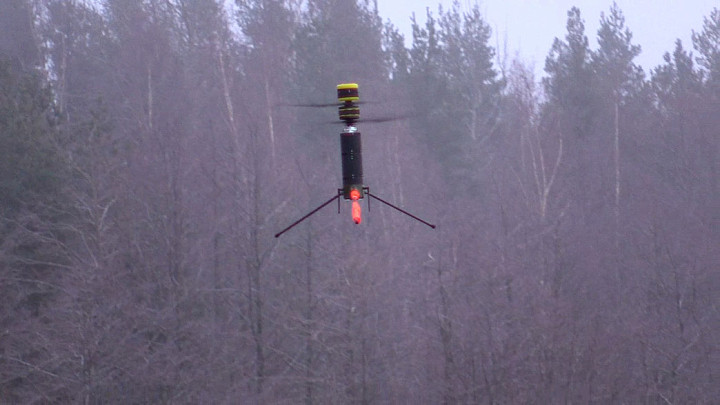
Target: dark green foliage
(337, 41)
(707, 43)
(427, 86)
(677, 81)
(568, 85)
(397, 55)
(471, 102)
(33, 204)
(617, 75)
(456, 91)
(30, 168)
(17, 44)
(80, 48)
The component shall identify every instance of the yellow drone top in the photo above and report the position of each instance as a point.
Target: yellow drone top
(348, 92)
(348, 111)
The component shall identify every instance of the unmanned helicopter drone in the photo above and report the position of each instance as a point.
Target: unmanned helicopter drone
(353, 188)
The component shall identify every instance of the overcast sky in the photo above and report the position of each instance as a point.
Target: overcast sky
(531, 25)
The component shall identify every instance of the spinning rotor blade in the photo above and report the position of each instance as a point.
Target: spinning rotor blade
(324, 105)
(310, 105)
(385, 119)
(378, 120)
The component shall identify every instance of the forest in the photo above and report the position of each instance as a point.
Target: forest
(151, 149)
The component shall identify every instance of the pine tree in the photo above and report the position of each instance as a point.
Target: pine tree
(567, 86)
(17, 37)
(471, 104)
(33, 179)
(677, 79)
(617, 80)
(707, 44)
(618, 77)
(396, 54)
(570, 111)
(455, 90)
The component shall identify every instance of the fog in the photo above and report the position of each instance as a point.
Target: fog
(151, 150)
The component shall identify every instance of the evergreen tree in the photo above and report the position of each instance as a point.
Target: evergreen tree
(618, 77)
(32, 207)
(455, 91)
(707, 44)
(570, 110)
(618, 80)
(268, 26)
(17, 37)
(426, 83)
(567, 86)
(338, 41)
(30, 168)
(680, 149)
(79, 49)
(396, 54)
(471, 104)
(677, 78)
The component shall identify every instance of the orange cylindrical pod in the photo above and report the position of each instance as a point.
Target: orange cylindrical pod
(356, 212)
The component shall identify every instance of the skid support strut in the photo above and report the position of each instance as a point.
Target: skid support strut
(337, 196)
(310, 213)
(397, 208)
